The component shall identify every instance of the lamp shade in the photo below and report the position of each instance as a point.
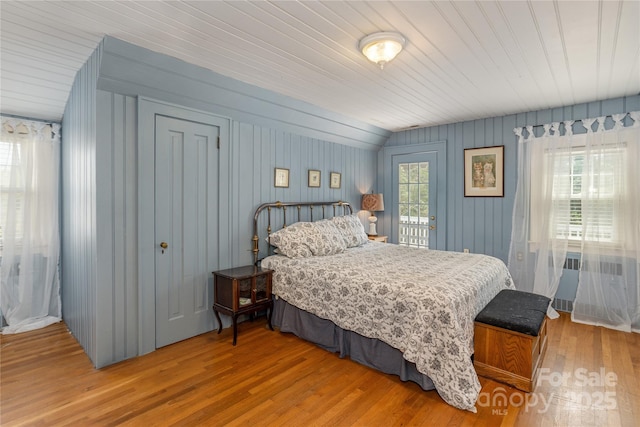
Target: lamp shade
(382, 47)
(372, 202)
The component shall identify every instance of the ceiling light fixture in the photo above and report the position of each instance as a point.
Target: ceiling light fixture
(381, 48)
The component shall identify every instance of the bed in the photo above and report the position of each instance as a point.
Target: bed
(404, 311)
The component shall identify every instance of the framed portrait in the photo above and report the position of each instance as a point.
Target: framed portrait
(314, 178)
(334, 180)
(484, 172)
(281, 177)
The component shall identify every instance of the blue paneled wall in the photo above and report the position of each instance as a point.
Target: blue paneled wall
(103, 302)
(78, 215)
(484, 224)
(257, 150)
(481, 224)
(105, 286)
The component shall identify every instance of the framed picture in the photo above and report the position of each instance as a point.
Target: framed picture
(334, 181)
(281, 177)
(484, 172)
(314, 178)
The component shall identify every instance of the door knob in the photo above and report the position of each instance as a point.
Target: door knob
(432, 227)
(164, 246)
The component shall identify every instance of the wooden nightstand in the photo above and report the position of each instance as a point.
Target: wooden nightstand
(242, 290)
(382, 239)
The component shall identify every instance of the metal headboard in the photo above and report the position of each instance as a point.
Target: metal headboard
(334, 207)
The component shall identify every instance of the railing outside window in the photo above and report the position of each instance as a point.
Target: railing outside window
(414, 231)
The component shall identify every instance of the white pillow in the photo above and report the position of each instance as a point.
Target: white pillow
(331, 241)
(296, 240)
(352, 230)
(304, 239)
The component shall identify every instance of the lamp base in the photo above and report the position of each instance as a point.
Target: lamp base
(372, 226)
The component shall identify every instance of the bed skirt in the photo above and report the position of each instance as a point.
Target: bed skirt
(366, 351)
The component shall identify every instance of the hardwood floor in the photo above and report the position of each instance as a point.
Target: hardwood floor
(274, 379)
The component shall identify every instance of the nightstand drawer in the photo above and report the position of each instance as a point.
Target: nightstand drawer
(382, 239)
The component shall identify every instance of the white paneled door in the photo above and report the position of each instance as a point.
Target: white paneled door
(186, 195)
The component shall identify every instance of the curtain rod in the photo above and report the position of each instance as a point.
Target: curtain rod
(577, 120)
(31, 119)
(560, 124)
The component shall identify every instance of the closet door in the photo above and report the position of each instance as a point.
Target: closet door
(186, 194)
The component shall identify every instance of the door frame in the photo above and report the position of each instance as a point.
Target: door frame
(385, 164)
(147, 111)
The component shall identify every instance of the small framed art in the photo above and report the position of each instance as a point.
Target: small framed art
(314, 178)
(484, 172)
(281, 177)
(334, 180)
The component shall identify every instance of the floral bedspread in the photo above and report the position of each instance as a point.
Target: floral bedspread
(422, 302)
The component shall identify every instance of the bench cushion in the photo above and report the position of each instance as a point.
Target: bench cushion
(516, 311)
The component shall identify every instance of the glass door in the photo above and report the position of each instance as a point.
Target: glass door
(415, 201)
(413, 204)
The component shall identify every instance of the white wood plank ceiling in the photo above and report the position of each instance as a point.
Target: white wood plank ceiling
(464, 59)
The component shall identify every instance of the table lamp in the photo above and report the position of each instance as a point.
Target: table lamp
(372, 203)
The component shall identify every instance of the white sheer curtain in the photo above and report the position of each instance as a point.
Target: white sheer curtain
(537, 255)
(609, 283)
(580, 193)
(29, 227)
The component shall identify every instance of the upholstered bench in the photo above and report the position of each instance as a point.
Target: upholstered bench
(510, 338)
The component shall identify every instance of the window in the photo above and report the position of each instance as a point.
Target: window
(11, 185)
(587, 183)
(586, 189)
